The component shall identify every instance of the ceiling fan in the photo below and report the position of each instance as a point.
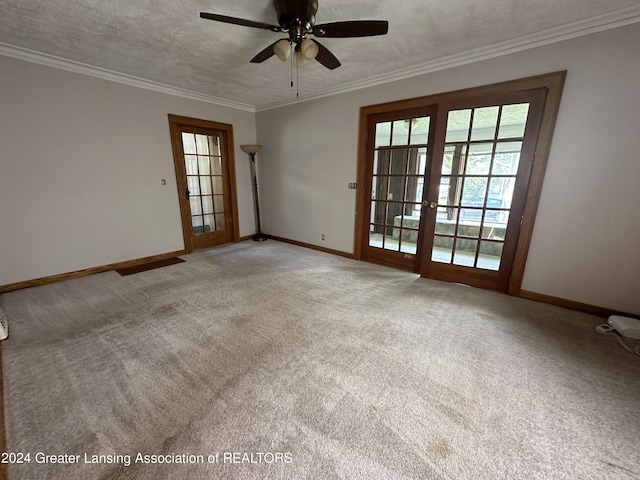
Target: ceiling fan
(297, 18)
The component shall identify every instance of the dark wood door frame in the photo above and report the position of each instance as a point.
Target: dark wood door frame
(552, 82)
(176, 125)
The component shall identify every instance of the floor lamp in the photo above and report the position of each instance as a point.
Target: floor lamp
(252, 150)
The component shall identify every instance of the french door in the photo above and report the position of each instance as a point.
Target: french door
(479, 178)
(398, 161)
(203, 159)
(445, 185)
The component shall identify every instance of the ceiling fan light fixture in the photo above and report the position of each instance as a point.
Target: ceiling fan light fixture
(309, 49)
(282, 49)
(297, 18)
(298, 59)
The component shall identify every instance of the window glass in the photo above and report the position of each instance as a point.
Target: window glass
(458, 125)
(513, 120)
(484, 123)
(400, 134)
(383, 134)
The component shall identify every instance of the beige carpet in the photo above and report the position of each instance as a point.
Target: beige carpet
(320, 367)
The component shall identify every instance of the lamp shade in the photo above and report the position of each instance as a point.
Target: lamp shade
(251, 148)
(298, 59)
(282, 49)
(309, 49)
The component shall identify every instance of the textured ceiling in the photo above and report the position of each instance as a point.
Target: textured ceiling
(166, 42)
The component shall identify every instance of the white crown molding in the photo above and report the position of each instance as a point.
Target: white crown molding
(102, 73)
(596, 24)
(608, 21)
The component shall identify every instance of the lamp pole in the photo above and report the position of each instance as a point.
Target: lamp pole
(252, 150)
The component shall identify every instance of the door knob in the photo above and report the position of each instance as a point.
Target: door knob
(429, 204)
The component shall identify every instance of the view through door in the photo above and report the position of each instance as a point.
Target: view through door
(398, 144)
(476, 196)
(204, 171)
(445, 185)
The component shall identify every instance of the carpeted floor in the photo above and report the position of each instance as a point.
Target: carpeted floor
(267, 360)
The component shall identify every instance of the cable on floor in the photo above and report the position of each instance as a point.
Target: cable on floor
(636, 351)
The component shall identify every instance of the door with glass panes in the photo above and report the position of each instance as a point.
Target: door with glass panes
(398, 163)
(204, 166)
(446, 186)
(480, 172)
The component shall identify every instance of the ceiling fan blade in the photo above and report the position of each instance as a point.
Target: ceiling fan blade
(264, 54)
(239, 21)
(355, 28)
(326, 58)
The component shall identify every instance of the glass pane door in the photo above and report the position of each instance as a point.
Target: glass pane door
(478, 189)
(397, 164)
(478, 177)
(205, 176)
(205, 186)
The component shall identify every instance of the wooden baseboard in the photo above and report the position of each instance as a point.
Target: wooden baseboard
(313, 247)
(87, 271)
(538, 297)
(572, 305)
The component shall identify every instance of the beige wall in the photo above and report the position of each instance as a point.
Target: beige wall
(585, 242)
(81, 163)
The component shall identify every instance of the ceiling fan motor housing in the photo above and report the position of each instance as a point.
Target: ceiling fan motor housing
(296, 13)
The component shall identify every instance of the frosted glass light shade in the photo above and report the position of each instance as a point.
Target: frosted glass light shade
(309, 49)
(298, 59)
(282, 49)
(251, 148)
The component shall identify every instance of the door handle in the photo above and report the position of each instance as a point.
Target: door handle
(429, 204)
(188, 193)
